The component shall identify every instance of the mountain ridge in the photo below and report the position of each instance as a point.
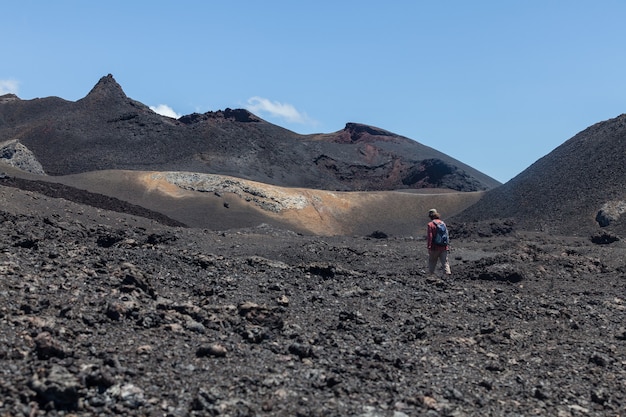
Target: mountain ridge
(575, 189)
(108, 130)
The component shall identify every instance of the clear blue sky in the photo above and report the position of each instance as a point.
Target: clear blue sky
(496, 84)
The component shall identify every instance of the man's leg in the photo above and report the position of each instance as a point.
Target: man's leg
(433, 257)
(443, 257)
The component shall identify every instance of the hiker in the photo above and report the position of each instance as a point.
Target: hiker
(437, 240)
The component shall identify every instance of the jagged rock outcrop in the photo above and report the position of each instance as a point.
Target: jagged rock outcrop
(610, 212)
(7, 98)
(358, 132)
(239, 115)
(19, 156)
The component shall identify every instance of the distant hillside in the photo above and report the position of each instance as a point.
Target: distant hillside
(576, 189)
(218, 202)
(106, 130)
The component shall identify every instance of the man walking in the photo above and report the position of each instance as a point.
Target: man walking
(437, 240)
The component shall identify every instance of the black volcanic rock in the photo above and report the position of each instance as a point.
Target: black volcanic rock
(133, 318)
(575, 189)
(108, 130)
(239, 115)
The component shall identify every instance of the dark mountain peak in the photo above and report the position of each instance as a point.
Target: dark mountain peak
(359, 129)
(107, 90)
(566, 190)
(6, 98)
(357, 132)
(107, 85)
(107, 96)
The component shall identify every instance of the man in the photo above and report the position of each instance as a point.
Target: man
(436, 252)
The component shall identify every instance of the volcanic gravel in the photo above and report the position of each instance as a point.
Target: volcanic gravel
(137, 318)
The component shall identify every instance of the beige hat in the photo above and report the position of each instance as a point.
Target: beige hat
(432, 211)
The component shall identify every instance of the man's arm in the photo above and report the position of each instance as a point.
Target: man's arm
(429, 235)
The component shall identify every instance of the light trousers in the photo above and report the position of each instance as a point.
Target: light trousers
(438, 255)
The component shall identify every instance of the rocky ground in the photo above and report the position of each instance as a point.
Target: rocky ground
(103, 313)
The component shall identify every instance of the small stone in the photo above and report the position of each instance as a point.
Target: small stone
(600, 396)
(215, 350)
(621, 333)
(301, 350)
(144, 350)
(47, 347)
(599, 359)
(541, 393)
(247, 306)
(486, 384)
(131, 395)
(283, 300)
(174, 327)
(133, 277)
(58, 386)
(430, 402)
(195, 326)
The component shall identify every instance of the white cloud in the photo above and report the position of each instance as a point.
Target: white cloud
(8, 86)
(260, 106)
(165, 110)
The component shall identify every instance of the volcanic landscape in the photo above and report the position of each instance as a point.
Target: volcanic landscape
(219, 265)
